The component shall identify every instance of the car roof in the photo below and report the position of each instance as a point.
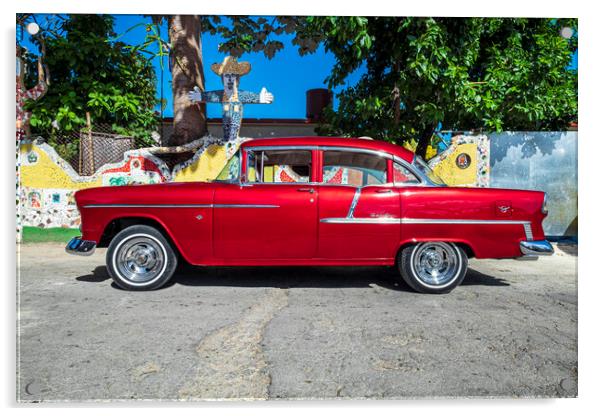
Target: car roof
(360, 143)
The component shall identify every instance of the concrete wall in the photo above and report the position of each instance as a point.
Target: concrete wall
(545, 161)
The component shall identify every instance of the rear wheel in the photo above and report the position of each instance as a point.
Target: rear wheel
(140, 258)
(433, 267)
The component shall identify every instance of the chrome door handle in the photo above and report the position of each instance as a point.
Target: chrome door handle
(310, 190)
(383, 191)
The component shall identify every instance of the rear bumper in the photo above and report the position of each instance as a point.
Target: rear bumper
(536, 248)
(80, 247)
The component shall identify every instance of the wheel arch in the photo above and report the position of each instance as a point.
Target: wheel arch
(463, 244)
(118, 224)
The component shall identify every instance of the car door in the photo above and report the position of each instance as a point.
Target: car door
(272, 214)
(359, 207)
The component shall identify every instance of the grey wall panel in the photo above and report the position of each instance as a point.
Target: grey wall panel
(545, 161)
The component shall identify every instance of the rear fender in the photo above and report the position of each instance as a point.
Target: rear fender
(466, 245)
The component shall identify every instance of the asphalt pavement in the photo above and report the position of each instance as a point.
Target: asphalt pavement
(510, 330)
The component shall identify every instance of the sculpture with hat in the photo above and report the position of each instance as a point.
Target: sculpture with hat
(231, 98)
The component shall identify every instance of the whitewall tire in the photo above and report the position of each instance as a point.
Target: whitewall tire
(141, 258)
(433, 267)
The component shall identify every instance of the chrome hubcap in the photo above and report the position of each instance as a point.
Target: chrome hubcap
(140, 259)
(435, 264)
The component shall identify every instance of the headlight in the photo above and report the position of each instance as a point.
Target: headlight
(544, 206)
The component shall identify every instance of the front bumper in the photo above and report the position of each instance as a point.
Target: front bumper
(80, 247)
(536, 248)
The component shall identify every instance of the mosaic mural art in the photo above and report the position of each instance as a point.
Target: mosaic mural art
(48, 183)
(49, 208)
(465, 162)
(22, 116)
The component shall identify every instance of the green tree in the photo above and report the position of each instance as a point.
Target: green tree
(91, 73)
(184, 48)
(465, 73)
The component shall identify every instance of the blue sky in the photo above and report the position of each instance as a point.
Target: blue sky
(288, 76)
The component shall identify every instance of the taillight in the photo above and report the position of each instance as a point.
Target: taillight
(544, 206)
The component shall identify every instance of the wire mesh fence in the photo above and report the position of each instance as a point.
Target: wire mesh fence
(97, 148)
(88, 149)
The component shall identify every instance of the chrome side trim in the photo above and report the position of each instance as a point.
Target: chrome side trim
(247, 184)
(356, 197)
(181, 206)
(459, 221)
(245, 206)
(148, 206)
(528, 231)
(389, 220)
(291, 147)
(383, 220)
(536, 248)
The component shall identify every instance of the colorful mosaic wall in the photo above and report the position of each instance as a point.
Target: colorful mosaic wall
(47, 182)
(465, 162)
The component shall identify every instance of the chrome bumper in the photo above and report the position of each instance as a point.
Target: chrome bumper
(536, 248)
(80, 247)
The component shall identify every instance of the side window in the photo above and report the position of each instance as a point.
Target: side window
(353, 168)
(402, 176)
(279, 166)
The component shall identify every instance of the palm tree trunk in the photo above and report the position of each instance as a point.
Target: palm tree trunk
(189, 120)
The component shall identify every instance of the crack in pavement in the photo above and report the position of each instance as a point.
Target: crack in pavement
(231, 361)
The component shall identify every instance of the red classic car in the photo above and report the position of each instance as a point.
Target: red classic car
(311, 201)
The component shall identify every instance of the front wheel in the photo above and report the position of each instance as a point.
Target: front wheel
(433, 267)
(141, 258)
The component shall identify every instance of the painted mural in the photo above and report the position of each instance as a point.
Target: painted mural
(465, 162)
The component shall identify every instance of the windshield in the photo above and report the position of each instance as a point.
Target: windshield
(426, 170)
(230, 172)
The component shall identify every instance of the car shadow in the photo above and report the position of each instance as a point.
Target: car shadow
(290, 277)
(98, 275)
(477, 278)
(294, 277)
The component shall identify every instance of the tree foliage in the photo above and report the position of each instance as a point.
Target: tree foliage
(465, 73)
(91, 73)
(184, 48)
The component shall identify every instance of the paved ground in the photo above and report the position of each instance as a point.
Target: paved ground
(509, 330)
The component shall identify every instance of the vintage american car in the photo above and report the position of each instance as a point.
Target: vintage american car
(317, 201)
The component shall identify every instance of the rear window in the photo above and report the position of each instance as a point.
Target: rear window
(353, 168)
